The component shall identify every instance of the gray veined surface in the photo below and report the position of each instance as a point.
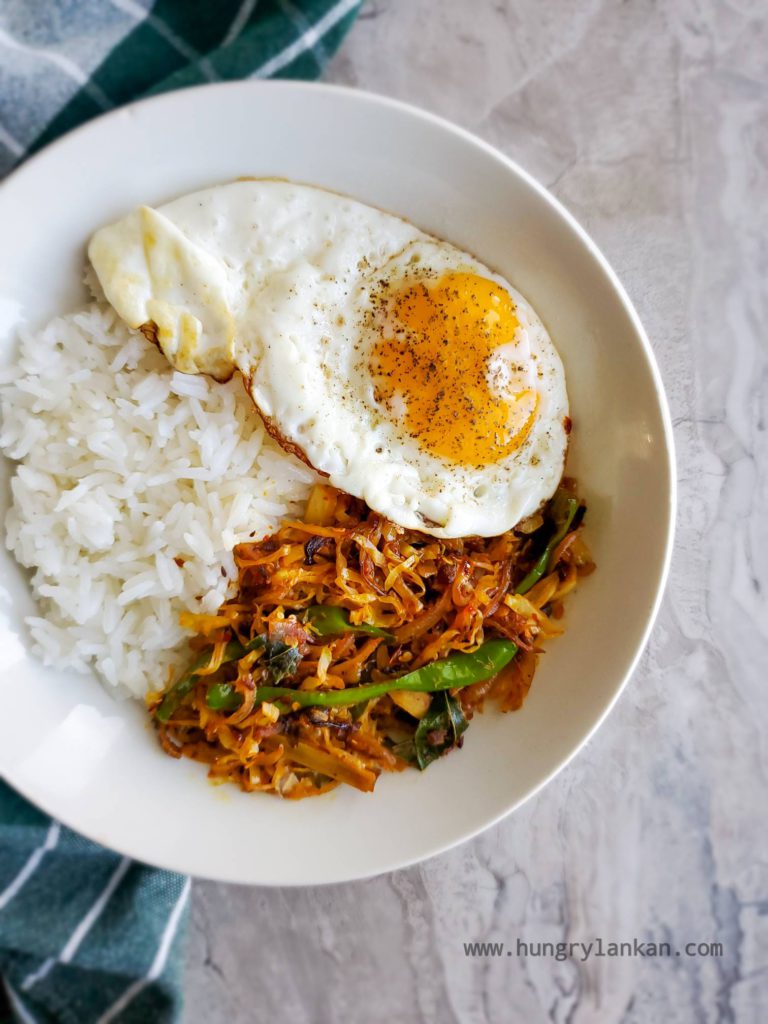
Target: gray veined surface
(650, 122)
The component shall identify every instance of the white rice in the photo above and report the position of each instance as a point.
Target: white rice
(126, 468)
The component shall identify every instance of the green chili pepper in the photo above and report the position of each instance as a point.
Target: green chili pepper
(451, 673)
(570, 508)
(232, 652)
(223, 697)
(330, 620)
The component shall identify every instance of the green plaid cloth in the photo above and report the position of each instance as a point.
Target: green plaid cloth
(64, 61)
(88, 936)
(85, 934)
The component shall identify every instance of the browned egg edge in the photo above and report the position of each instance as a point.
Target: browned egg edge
(149, 330)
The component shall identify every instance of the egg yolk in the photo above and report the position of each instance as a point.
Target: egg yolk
(435, 366)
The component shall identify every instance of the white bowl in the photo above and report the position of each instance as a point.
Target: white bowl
(92, 762)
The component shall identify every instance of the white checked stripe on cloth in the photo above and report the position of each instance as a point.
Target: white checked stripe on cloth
(79, 933)
(307, 41)
(51, 839)
(158, 963)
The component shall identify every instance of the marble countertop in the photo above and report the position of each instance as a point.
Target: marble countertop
(649, 120)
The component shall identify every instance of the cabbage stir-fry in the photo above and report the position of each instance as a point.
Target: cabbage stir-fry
(354, 646)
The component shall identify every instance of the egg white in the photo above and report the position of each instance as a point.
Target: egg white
(276, 280)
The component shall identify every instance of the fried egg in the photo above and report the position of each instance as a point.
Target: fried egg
(394, 363)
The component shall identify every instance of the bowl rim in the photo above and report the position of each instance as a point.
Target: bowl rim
(467, 138)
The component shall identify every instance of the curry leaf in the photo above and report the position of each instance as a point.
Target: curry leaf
(440, 730)
(280, 660)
